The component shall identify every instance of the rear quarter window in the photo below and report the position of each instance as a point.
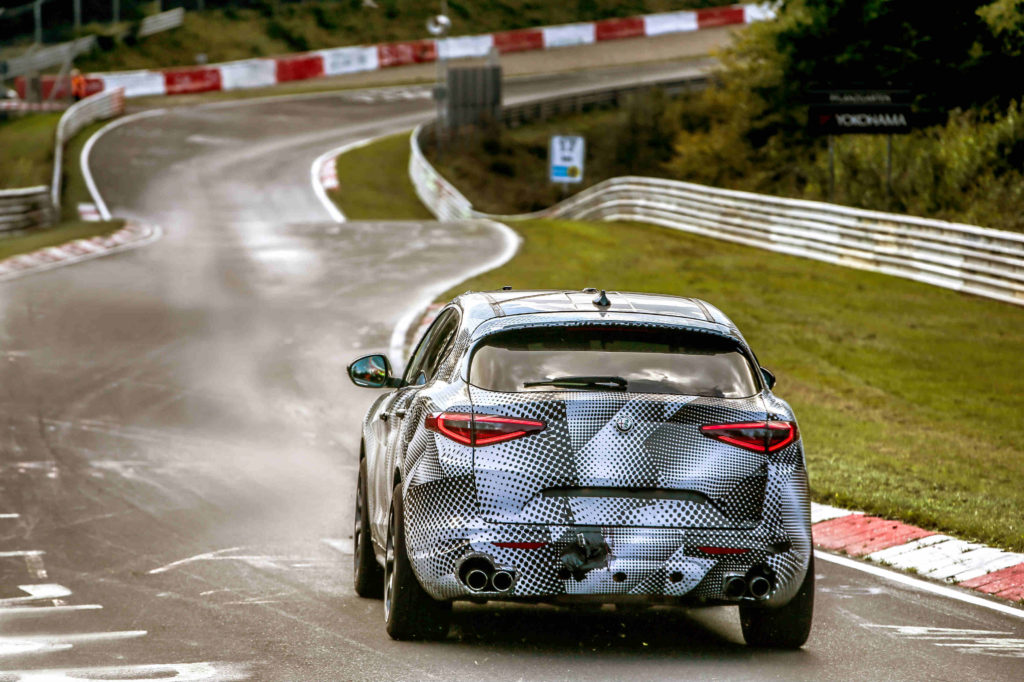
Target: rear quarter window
(634, 360)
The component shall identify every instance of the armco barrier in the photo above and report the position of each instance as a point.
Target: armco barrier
(966, 258)
(94, 108)
(254, 73)
(21, 209)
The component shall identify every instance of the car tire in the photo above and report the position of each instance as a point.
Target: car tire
(786, 627)
(367, 574)
(409, 612)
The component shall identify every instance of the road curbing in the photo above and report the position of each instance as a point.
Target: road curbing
(131, 236)
(928, 554)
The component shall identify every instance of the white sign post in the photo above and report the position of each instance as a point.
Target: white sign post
(566, 155)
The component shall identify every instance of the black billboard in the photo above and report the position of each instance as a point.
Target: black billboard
(860, 112)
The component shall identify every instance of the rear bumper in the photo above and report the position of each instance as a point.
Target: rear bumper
(642, 563)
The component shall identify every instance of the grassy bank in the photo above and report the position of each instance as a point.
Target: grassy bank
(373, 182)
(909, 396)
(273, 28)
(26, 150)
(26, 158)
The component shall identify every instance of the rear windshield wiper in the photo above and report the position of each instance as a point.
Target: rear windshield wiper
(608, 383)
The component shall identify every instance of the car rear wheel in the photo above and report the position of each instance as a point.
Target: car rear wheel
(367, 573)
(409, 612)
(786, 627)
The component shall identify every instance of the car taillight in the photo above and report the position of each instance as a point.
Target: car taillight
(481, 429)
(764, 437)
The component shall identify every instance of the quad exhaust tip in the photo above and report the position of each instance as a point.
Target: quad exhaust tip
(759, 587)
(501, 581)
(479, 575)
(734, 586)
(476, 580)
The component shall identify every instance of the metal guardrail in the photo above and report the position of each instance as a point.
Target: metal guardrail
(98, 107)
(46, 57)
(448, 203)
(164, 21)
(514, 115)
(967, 258)
(21, 209)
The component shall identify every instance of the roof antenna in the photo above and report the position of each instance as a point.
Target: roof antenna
(602, 300)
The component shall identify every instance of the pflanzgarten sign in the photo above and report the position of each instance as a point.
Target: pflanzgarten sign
(565, 158)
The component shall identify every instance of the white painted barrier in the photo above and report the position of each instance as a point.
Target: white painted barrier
(341, 60)
(670, 22)
(967, 258)
(98, 107)
(462, 47)
(568, 35)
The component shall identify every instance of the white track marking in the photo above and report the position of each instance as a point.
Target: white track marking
(511, 240)
(38, 591)
(14, 611)
(343, 545)
(314, 176)
(823, 512)
(10, 646)
(10, 516)
(918, 584)
(197, 557)
(97, 198)
(20, 552)
(990, 642)
(179, 672)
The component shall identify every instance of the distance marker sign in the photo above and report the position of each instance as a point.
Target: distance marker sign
(566, 155)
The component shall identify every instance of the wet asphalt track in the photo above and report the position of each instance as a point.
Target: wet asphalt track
(178, 439)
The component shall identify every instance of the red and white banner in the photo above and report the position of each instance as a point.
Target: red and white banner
(258, 73)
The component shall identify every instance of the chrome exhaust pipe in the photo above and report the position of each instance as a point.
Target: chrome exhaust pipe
(501, 581)
(734, 586)
(759, 587)
(476, 580)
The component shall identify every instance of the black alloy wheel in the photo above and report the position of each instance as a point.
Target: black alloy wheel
(367, 574)
(409, 612)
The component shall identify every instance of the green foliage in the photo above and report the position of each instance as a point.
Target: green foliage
(1005, 18)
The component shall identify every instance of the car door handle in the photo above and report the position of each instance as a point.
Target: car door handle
(400, 413)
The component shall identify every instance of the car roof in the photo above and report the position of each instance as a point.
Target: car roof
(485, 305)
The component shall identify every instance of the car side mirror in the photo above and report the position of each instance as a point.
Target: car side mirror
(371, 371)
(769, 378)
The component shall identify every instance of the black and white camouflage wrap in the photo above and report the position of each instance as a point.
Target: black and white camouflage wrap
(461, 500)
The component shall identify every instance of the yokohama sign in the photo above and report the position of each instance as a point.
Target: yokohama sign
(836, 119)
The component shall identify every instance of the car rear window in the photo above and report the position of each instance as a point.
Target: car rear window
(609, 358)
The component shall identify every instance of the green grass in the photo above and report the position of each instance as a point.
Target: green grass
(274, 29)
(26, 150)
(66, 231)
(910, 397)
(374, 182)
(33, 129)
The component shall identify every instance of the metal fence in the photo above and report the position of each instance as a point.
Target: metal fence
(46, 57)
(164, 21)
(967, 258)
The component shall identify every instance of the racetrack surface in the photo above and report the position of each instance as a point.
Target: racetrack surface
(179, 444)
